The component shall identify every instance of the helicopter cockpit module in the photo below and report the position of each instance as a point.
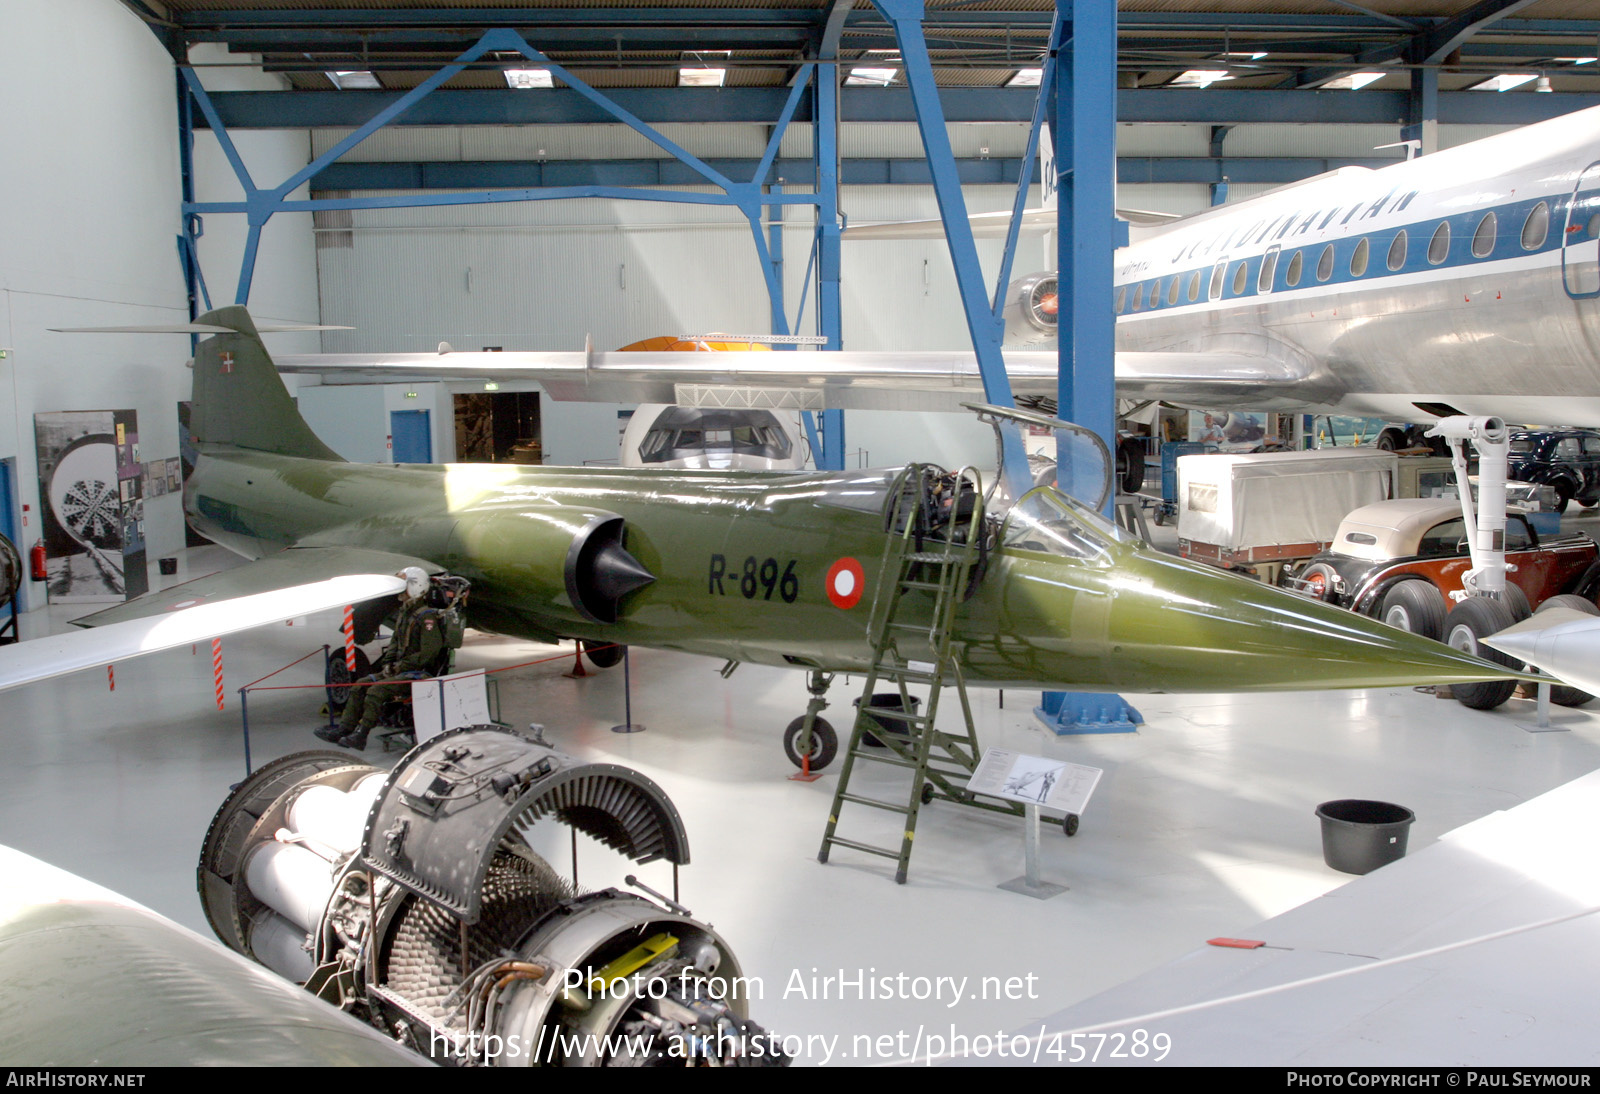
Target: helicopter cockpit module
(412, 899)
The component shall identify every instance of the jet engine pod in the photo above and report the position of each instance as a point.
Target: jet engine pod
(570, 558)
(412, 900)
(1032, 313)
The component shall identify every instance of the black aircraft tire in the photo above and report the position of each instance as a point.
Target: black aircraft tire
(1130, 466)
(603, 655)
(1565, 695)
(337, 674)
(824, 743)
(1069, 824)
(1468, 622)
(1415, 606)
(1517, 601)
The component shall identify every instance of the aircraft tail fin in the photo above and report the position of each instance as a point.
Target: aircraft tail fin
(240, 400)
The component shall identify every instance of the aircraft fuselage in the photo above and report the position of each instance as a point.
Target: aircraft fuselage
(741, 566)
(1470, 278)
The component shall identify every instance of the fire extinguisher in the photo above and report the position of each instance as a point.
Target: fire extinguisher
(36, 560)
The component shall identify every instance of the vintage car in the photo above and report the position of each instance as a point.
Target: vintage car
(1567, 460)
(1401, 560)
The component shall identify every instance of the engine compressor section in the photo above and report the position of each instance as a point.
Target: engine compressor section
(414, 900)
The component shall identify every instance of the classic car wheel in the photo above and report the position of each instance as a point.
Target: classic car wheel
(1317, 580)
(1415, 606)
(1468, 622)
(824, 743)
(1564, 492)
(1565, 695)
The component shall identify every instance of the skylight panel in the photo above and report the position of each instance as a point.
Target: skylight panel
(1503, 82)
(1201, 77)
(1355, 81)
(353, 81)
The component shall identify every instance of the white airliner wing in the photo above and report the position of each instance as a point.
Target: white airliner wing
(845, 380)
(991, 225)
(1480, 949)
(209, 608)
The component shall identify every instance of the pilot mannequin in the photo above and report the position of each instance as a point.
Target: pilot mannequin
(419, 639)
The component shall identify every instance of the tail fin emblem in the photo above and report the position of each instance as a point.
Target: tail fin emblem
(227, 361)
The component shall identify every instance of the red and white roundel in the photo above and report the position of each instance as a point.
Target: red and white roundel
(845, 583)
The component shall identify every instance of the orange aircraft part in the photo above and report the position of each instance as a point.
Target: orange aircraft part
(669, 343)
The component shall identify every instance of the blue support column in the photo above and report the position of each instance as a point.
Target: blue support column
(1085, 61)
(982, 325)
(780, 318)
(1422, 111)
(827, 429)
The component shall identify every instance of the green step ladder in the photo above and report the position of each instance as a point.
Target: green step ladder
(937, 522)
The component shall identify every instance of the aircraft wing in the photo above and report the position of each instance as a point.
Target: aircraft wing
(828, 380)
(991, 225)
(284, 586)
(1480, 949)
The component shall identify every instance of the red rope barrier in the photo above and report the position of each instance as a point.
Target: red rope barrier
(358, 684)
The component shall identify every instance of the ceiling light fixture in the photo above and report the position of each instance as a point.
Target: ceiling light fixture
(524, 79)
(870, 76)
(701, 74)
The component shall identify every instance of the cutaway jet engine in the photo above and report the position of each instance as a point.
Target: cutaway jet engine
(412, 899)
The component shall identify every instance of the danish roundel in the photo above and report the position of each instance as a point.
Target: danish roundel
(845, 582)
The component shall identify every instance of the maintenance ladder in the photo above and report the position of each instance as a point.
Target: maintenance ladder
(937, 524)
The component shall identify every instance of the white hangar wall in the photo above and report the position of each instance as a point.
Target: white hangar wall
(89, 216)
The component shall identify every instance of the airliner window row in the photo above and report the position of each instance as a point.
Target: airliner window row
(1474, 236)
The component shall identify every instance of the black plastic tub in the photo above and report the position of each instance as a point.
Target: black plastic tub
(1360, 836)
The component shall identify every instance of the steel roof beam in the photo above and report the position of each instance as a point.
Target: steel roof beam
(1213, 106)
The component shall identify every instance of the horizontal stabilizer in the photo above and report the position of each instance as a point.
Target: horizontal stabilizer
(60, 654)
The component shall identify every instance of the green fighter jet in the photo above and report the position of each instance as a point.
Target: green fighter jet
(820, 571)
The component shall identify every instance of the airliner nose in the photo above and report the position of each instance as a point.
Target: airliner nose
(1169, 618)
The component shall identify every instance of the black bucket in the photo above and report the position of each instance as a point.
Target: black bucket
(1360, 836)
(889, 700)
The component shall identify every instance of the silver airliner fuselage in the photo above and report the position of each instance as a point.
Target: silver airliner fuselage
(1467, 279)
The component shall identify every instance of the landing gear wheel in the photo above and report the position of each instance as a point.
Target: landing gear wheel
(1415, 606)
(1564, 695)
(824, 743)
(1469, 622)
(603, 655)
(927, 793)
(1069, 824)
(1130, 466)
(337, 675)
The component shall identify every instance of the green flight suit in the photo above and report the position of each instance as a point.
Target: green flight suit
(419, 639)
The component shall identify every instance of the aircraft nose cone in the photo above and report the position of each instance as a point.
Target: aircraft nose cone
(1173, 617)
(1561, 641)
